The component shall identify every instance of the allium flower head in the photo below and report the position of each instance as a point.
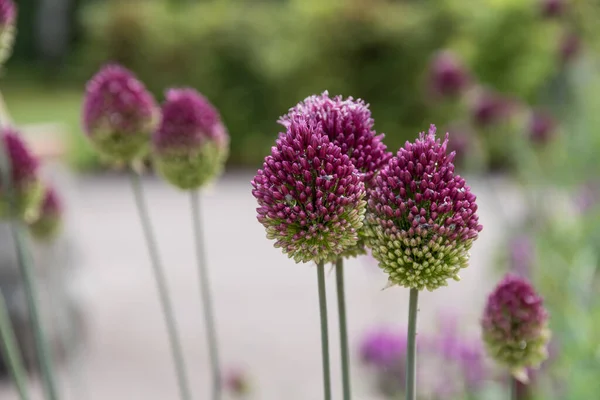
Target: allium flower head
(191, 143)
(448, 77)
(489, 108)
(541, 127)
(49, 220)
(552, 8)
(26, 186)
(310, 195)
(421, 218)
(515, 326)
(119, 114)
(383, 348)
(8, 16)
(349, 125)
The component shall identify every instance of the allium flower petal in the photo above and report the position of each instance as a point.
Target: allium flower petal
(310, 195)
(119, 114)
(8, 15)
(24, 173)
(515, 325)
(421, 218)
(191, 144)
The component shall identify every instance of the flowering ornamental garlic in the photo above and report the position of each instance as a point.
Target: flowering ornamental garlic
(119, 114)
(49, 221)
(515, 326)
(191, 144)
(26, 187)
(421, 218)
(310, 195)
(447, 76)
(8, 16)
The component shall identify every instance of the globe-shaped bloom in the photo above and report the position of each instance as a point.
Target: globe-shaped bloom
(447, 76)
(27, 190)
(119, 114)
(421, 218)
(515, 326)
(310, 195)
(541, 127)
(191, 144)
(49, 220)
(8, 16)
(349, 125)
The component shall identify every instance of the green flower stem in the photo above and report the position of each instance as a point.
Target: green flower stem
(205, 292)
(27, 271)
(341, 298)
(411, 347)
(324, 331)
(11, 352)
(163, 292)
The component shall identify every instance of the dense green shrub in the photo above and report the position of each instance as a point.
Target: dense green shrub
(254, 60)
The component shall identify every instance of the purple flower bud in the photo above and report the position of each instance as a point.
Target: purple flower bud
(521, 253)
(541, 127)
(349, 125)
(552, 8)
(383, 348)
(489, 108)
(515, 326)
(421, 217)
(26, 186)
(8, 16)
(447, 76)
(310, 195)
(236, 382)
(119, 114)
(49, 220)
(570, 46)
(191, 144)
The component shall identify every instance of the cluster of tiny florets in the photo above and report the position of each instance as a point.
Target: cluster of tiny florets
(515, 325)
(191, 144)
(421, 217)
(310, 195)
(119, 114)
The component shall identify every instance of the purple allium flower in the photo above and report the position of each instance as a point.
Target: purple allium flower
(541, 127)
(552, 8)
(310, 195)
(8, 16)
(521, 254)
(383, 348)
(49, 221)
(26, 186)
(447, 76)
(421, 217)
(349, 125)
(236, 382)
(191, 144)
(489, 108)
(570, 46)
(515, 326)
(119, 114)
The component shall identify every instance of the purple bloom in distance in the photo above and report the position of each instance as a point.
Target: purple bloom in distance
(521, 253)
(421, 217)
(310, 195)
(8, 15)
(541, 127)
(448, 77)
(191, 144)
(119, 114)
(515, 326)
(49, 221)
(383, 348)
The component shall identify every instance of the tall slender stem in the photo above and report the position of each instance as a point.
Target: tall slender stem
(341, 298)
(324, 331)
(11, 351)
(26, 269)
(163, 292)
(411, 347)
(205, 292)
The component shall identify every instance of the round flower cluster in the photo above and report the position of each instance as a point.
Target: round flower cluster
(421, 218)
(310, 195)
(119, 114)
(515, 326)
(191, 143)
